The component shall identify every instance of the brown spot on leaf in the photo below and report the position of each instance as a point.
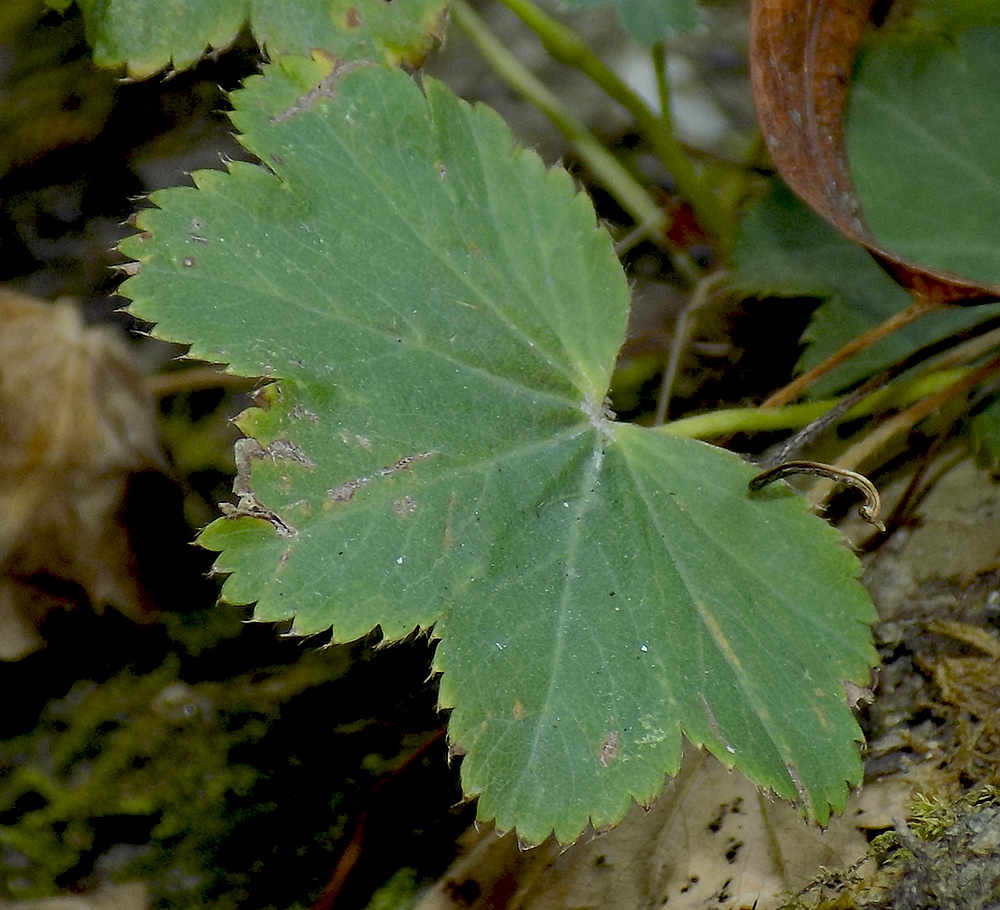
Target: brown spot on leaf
(518, 710)
(262, 397)
(448, 535)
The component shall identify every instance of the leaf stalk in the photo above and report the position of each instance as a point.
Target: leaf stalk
(791, 417)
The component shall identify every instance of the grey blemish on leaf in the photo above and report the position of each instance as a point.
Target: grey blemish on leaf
(609, 749)
(405, 506)
(325, 89)
(403, 464)
(248, 505)
(245, 451)
(299, 413)
(289, 451)
(346, 437)
(344, 492)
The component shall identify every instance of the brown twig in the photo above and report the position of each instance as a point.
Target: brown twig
(906, 420)
(352, 852)
(796, 443)
(920, 307)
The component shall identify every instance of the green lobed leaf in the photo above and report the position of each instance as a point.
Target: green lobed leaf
(783, 248)
(148, 35)
(650, 21)
(922, 135)
(444, 316)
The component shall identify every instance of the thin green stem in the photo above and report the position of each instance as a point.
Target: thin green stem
(568, 47)
(792, 417)
(632, 196)
(662, 84)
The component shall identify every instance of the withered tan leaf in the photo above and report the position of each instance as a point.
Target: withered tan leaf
(75, 421)
(711, 839)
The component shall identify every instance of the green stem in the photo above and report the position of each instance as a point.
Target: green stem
(603, 165)
(662, 84)
(792, 417)
(568, 47)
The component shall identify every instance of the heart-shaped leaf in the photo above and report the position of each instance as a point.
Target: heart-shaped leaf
(923, 133)
(444, 315)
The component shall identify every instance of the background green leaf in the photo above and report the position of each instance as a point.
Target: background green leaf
(650, 21)
(444, 315)
(949, 17)
(922, 136)
(148, 35)
(785, 249)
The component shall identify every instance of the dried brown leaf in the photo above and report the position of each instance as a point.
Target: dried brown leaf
(711, 839)
(75, 421)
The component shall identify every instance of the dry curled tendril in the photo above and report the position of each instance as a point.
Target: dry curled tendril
(869, 511)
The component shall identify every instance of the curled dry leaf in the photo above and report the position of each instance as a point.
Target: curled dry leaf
(801, 58)
(75, 421)
(712, 839)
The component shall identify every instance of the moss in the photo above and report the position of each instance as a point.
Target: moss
(148, 754)
(944, 855)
